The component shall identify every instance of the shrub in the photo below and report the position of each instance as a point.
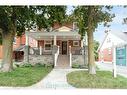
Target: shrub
(39, 65)
(27, 65)
(78, 66)
(49, 65)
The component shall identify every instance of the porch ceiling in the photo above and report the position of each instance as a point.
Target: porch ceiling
(59, 35)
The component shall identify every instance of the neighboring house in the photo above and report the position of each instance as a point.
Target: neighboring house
(18, 42)
(105, 49)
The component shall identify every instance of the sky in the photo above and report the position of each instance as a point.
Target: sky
(116, 25)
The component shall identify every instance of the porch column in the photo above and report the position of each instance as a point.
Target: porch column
(40, 50)
(54, 39)
(82, 50)
(26, 48)
(82, 43)
(70, 56)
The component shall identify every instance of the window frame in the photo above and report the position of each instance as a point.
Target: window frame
(75, 42)
(110, 51)
(45, 43)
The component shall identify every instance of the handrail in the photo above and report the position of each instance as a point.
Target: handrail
(70, 56)
(56, 56)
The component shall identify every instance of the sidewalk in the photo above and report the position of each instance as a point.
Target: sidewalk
(121, 70)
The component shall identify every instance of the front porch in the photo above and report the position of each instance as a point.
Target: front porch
(60, 45)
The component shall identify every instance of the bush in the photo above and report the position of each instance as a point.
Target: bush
(78, 66)
(75, 65)
(39, 65)
(49, 65)
(27, 65)
(43, 65)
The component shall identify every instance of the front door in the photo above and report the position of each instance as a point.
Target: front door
(64, 47)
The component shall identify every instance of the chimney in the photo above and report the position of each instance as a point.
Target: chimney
(75, 26)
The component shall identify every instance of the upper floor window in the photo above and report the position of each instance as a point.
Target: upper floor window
(75, 43)
(75, 26)
(108, 40)
(109, 51)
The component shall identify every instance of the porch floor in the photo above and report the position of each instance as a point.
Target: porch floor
(63, 61)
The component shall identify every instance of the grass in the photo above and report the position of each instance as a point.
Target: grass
(24, 76)
(103, 79)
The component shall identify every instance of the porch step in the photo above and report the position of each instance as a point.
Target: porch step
(58, 67)
(63, 62)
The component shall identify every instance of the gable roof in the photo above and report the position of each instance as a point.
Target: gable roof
(121, 35)
(102, 42)
(63, 28)
(57, 25)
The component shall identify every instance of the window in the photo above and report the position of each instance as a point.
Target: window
(48, 45)
(108, 40)
(109, 51)
(75, 43)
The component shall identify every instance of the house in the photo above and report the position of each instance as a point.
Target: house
(62, 44)
(111, 39)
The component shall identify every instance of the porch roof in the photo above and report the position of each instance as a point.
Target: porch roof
(59, 35)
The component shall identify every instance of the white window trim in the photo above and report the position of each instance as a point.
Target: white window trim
(47, 43)
(74, 42)
(109, 51)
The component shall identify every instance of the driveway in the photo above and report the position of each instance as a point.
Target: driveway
(121, 70)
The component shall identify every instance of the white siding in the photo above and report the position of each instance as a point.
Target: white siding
(113, 40)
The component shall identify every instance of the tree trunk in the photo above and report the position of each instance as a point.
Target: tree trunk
(91, 60)
(7, 42)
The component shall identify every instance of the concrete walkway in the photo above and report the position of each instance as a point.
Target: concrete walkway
(56, 80)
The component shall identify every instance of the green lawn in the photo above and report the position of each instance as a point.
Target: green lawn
(24, 76)
(103, 79)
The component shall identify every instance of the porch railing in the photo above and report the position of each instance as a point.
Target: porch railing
(70, 56)
(56, 56)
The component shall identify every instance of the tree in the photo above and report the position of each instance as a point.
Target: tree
(11, 17)
(96, 45)
(0, 39)
(14, 20)
(88, 18)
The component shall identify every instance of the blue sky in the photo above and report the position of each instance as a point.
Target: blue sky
(116, 24)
